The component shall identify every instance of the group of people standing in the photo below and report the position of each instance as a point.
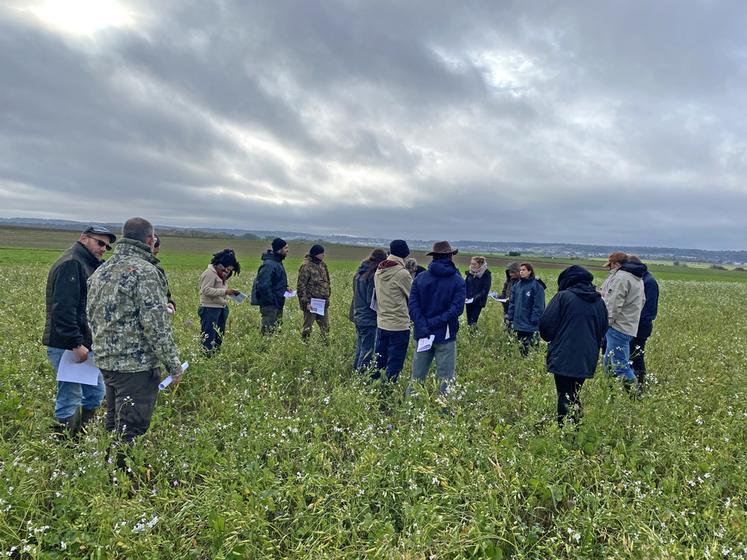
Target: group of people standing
(120, 310)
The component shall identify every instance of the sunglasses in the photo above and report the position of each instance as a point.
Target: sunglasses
(101, 243)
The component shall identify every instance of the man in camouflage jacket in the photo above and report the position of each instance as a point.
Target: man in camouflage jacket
(313, 282)
(132, 337)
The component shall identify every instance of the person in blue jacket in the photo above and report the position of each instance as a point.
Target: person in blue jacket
(436, 302)
(646, 323)
(363, 310)
(574, 323)
(525, 307)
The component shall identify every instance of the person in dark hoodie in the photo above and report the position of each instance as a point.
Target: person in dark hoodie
(478, 280)
(645, 324)
(436, 302)
(574, 323)
(363, 313)
(526, 306)
(512, 278)
(67, 327)
(270, 285)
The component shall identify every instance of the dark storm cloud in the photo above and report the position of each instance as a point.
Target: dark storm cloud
(548, 121)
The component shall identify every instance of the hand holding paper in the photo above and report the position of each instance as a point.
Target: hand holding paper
(238, 297)
(317, 306)
(425, 344)
(469, 300)
(289, 293)
(173, 379)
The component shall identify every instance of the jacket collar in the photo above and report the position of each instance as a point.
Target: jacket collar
(82, 252)
(135, 248)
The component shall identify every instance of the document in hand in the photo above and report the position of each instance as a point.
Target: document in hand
(85, 373)
(239, 298)
(374, 305)
(494, 295)
(170, 379)
(318, 305)
(289, 293)
(469, 300)
(425, 343)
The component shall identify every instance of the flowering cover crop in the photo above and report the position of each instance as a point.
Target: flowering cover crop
(275, 449)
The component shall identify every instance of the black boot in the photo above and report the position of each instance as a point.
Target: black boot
(65, 428)
(641, 376)
(88, 415)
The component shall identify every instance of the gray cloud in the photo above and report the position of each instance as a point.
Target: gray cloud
(593, 122)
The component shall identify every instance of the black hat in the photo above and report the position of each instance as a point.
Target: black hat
(278, 244)
(100, 230)
(399, 248)
(316, 250)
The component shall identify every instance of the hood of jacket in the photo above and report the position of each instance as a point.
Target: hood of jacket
(636, 269)
(443, 268)
(312, 260)
(574, 275)
(271, 255)
(388, 268)
(366, 267)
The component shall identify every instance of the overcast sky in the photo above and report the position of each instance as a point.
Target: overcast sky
(586, 121)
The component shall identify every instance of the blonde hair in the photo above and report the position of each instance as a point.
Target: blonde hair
(479, 260)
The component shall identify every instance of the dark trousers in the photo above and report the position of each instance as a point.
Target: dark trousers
(391, 351)
(568, 388)
(308, 322)
(637, 354)
(213, 325)
(130, 400)
(473, 313)
(272, 316)
(527, 340)
(364, 346)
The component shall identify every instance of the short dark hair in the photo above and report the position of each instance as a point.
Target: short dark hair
(226, 257)
(138, 229)
(529, 267)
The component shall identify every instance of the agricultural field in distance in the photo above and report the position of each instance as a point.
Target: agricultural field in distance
(275, 449)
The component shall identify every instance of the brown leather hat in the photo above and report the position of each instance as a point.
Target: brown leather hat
(442, 248)
(616, 257)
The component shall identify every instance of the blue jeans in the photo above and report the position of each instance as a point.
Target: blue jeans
(617, 355)
(391, 351)
(71, 396)
(445, 355)
(364, 346)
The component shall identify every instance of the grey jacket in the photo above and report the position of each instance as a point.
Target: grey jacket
(624, 297)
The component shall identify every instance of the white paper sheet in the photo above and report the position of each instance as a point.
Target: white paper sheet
(318, 305)
(469, 300)
(448, 334)
(238, 298)
(374, 305)
(425, 344)
(170, 379)
(85, 373)
(290, 293)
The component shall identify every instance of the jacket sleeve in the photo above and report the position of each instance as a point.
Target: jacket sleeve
(329, 283)
(154, 320)
(206, 288)
(302, 286)
(651, 292)
(263, 284)
(615, 298)
(66, 300)
(539, 303)
(416, 315)
(404, 281)
(485, 283)
(456, 306)
(550, 320)
(603, 323)
(511, 303)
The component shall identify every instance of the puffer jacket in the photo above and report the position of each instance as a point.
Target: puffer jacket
(66, 324)
(313, 281)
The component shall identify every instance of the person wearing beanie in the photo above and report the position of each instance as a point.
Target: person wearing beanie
(392, 284)
(270, 285)
(313, 282)
(574, 324)
(436, 302)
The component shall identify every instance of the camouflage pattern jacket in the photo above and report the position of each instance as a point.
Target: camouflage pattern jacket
(127, 313)
(313, 281)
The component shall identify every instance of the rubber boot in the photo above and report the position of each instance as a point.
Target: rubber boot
(67, 427)
(88, 415)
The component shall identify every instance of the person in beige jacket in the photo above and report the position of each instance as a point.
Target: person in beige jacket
(392, 283)
(213, 310)
(624, 297)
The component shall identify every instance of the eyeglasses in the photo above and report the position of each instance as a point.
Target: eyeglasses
(101, 243)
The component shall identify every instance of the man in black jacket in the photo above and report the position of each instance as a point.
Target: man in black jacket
(270, 285)
(67, 327)
(646, 323)
(574, 324)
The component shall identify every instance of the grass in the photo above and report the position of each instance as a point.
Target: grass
(276, 449)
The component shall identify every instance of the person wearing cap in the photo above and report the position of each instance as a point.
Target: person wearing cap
(66, 326)
(436, 302)
(214, 290)
(313, 282)
(132, 335)
(623, 294)
(270, 285)
(159, 266)
(574, 323)
(392, 284)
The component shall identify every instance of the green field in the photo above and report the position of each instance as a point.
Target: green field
(276, 449)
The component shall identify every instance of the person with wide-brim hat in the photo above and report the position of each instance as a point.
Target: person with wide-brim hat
(436, 302)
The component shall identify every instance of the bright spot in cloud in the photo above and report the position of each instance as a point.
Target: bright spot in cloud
(82, 17)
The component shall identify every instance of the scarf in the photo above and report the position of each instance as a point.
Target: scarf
(480, 271)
